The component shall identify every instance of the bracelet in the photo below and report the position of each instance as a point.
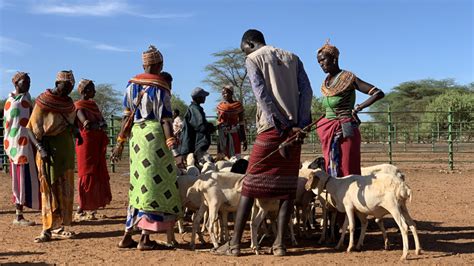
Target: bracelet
(370, 91)
(121, 139)
(38, 146)
(87, 122)
(175, 152)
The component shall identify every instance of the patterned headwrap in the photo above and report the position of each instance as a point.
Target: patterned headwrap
(330, 49)
(83, 84)
(18, 76)
(152, 56)
(65, 76)
(229, 88)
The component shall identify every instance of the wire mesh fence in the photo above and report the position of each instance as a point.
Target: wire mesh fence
(446, 142)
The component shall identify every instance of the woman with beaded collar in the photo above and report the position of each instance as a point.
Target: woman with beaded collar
(338, 130)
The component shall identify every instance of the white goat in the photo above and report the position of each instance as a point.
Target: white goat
(220, 193)
(369, 195)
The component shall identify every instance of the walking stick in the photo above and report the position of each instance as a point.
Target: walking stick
(287, 142)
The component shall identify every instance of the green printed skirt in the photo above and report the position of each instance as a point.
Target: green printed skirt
(153, 185)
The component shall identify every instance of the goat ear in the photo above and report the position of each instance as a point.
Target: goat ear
(312, 182)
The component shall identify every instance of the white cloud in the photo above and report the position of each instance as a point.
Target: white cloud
(106, 47)
(162, 16)
(101, 8)
(94, 8)
(12, 46)
(90, 44)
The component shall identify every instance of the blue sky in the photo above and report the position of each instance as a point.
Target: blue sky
(384, 42)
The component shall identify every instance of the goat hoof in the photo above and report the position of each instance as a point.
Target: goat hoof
(349, 249)
(418, 251)
(192, 247)
(256, 250)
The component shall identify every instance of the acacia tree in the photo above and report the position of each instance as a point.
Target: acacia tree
(229, 69)
(413, 96)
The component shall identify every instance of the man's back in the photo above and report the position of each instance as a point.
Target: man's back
(279, 69)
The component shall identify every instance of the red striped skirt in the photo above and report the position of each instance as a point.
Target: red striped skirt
(274, 177)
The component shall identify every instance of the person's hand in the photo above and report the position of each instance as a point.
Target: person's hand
(356, 109)
(244, 145)
(300, 135)
(43, 153)
(117, 152)
(80, 140)
(179, 162)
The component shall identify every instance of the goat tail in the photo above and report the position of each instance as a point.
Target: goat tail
(404, 192)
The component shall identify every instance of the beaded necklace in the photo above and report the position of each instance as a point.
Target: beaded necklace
(334, 81)
(341, 82)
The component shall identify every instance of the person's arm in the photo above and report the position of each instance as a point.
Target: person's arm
(82, 118)
(167, 124)
(367, 88)
(265, 100)
(305, 98)
(36, 132)
(243, 137)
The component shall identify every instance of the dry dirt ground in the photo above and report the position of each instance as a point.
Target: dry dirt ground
(442, 207)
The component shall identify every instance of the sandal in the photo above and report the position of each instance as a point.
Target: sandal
(61, 233)
(152, 246)
(227, 250)
(279, 250)
(44, 237)
(132, 244)
(23, 222)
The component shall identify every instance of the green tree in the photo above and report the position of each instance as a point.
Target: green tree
(107, 98)
(462, 105)
(178, 103)
(317, 108)
(412, 96)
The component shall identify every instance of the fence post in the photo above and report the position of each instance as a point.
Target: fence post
(373, 134)
(405, 143)
(437, 130)
(432, 139)
(112, 139)
(418, 132)
(389, 129)
(450, 138)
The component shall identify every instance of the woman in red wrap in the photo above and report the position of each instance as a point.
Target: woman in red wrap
(93, 177)
(230, 125)
(338, 130)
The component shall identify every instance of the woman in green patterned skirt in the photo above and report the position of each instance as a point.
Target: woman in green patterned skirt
(154, 202)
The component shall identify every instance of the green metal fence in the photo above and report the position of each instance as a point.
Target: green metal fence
(446, 143)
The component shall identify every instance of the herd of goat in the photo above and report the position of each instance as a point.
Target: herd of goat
(213, 191)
